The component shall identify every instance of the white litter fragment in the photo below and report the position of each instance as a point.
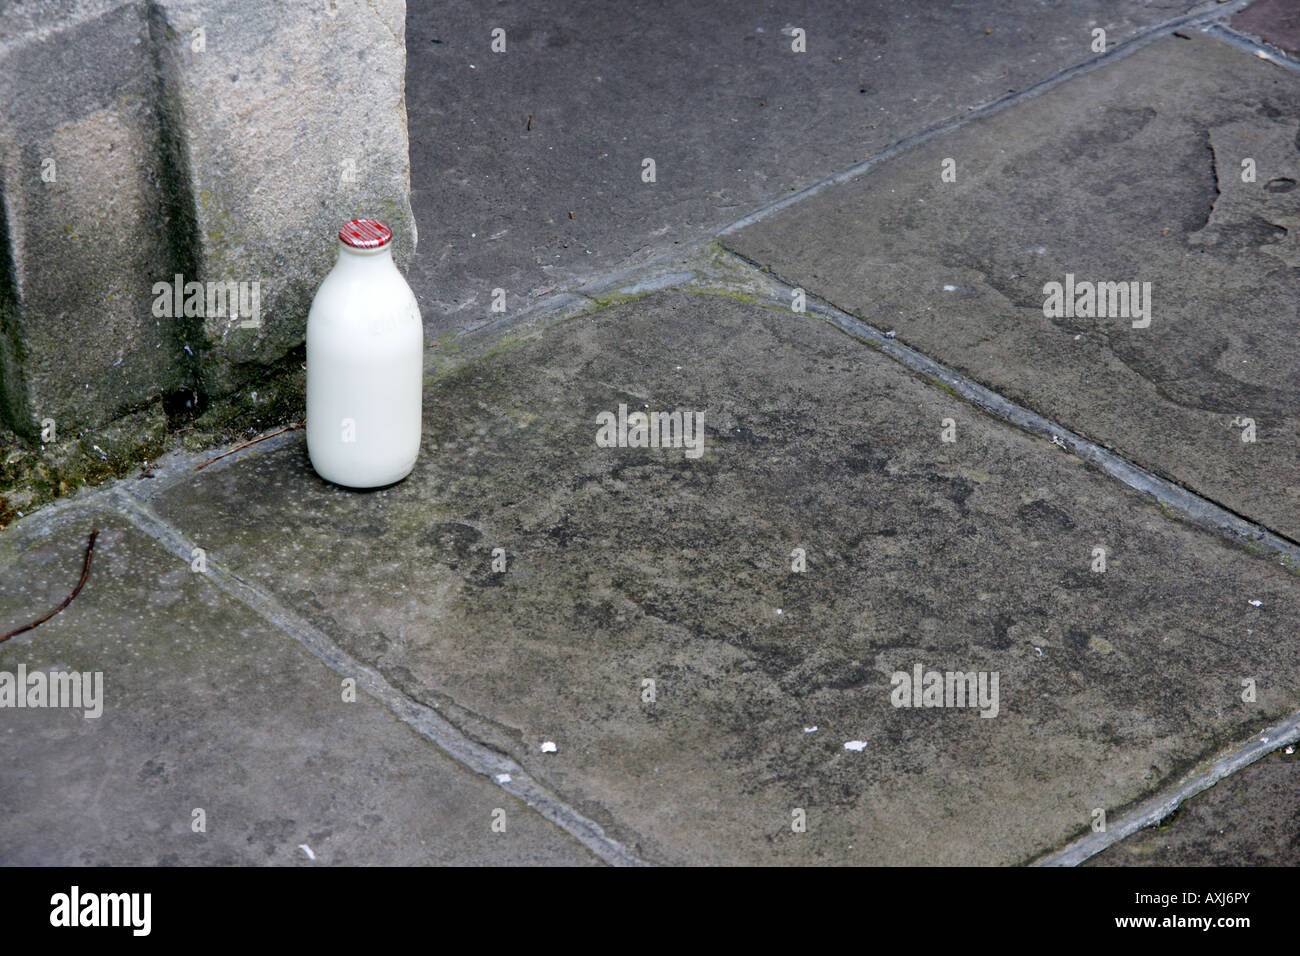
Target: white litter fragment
(810, 730)
(1289, 750)
(855, 745)
(950, 288)
(778, 610)
(548, 747)
(502, 778)
(306, 849)
(1256, 603)
(891, 334)
(1040, 651)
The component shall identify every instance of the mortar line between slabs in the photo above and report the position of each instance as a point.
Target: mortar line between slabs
(1154, 809)
(578, 296)
(1198, 510)
(424, 719)
(1263, 50)
(1193, 507)
(1118, 52)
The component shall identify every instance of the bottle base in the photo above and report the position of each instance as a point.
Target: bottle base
(356, 482)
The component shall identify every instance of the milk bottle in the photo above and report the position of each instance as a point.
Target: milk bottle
(365, 364)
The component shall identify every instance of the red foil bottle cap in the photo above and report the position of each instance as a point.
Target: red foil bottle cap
(365, 234)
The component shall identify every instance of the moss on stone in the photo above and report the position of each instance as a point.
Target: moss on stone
(614, 298)
(32, 475)
(722, 292)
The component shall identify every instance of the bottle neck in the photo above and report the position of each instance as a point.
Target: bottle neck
(352, 258)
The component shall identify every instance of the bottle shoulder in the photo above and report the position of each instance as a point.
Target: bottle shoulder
(349, 296)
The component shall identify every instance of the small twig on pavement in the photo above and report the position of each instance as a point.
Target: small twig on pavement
(287, 428)
(85, 572)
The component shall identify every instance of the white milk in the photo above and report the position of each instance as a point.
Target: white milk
(365, 364)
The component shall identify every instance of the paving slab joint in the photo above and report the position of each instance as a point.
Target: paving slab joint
(1261, 48)
(1206, 18)
(503, 771)
(1151, 811)
(1181, 502)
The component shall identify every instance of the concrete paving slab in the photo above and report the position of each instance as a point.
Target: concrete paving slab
(205, 706)
(1131, 173)
(1249, 819)
(504, 146)
(771, 687)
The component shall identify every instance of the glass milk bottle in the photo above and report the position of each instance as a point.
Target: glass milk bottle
(365, 364)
